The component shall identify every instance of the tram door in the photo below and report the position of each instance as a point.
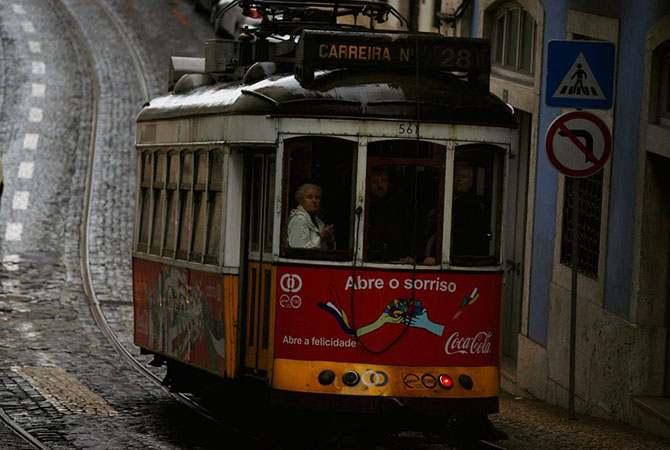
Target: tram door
(259, 273)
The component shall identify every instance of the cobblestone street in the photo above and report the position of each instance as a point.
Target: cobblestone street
(61, 379)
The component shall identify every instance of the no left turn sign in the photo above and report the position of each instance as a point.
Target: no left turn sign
(578, 144)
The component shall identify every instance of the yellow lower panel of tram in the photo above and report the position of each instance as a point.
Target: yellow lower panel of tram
(383, 380)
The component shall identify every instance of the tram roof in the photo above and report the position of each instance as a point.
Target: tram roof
(341, 93)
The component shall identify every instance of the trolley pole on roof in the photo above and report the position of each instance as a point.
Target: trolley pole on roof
(414, 15)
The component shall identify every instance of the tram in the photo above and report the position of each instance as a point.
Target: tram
(319, 208)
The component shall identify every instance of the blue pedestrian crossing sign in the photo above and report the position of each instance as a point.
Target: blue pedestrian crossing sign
(580, 74)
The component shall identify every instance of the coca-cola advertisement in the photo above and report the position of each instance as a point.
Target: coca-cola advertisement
(379, 317)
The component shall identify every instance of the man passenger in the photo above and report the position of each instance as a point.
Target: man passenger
(386, 221)
(470, 227)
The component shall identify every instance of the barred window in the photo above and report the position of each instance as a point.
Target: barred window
(590, 208)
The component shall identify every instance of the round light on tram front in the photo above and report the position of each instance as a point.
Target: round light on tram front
(445, 381)
(351, 378)
(466, 382)
(326, 377)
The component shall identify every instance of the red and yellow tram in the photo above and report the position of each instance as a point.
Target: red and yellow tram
(322, 210)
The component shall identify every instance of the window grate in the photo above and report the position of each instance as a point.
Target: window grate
(590, 209)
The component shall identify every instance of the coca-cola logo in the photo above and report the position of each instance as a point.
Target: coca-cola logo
(479, 344)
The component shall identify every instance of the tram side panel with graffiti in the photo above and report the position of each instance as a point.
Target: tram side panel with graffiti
(436, 318)
(179, 314)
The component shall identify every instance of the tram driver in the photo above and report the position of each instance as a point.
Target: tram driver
(470, 229)
(305, 228)
(386, 227)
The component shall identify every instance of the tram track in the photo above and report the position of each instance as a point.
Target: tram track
(85, 230)
(65, 10)
(84, 238)
(88, 281)
(21, 432)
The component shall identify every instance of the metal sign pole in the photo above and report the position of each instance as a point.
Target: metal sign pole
(573, 301)
(578, 145)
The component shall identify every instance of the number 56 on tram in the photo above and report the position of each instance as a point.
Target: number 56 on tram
(323, 214)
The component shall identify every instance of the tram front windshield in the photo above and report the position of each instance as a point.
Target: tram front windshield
(404, 201)
(320, 195)
(403, 217)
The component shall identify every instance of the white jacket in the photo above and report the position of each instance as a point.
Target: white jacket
(302, 233)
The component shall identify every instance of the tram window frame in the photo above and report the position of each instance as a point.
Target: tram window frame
(184, 223)
(146, 162)
(214, 224)
(400, 156)
(158, 202)
(172, 203)
(200, 205)
(173, 184)
(289, 186)
(482, 157)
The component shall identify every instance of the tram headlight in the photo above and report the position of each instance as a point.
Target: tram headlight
(350, 378)
(466, 382)
(445, 381)
(326, 377)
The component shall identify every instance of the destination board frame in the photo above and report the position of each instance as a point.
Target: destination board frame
(322, 49)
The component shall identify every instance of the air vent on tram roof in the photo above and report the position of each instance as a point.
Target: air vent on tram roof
(262, 70)
(181, 65)
(191, 81)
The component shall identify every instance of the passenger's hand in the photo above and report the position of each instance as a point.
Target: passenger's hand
(407, 260)
(429, 261)
(328, 232)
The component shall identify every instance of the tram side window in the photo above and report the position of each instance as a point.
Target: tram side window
(405, 181)
(202, 205)
(199, 205)
(158, 196)
(172, 199)
(181, 204)
(476, 205)
(318, 217)
(146, 161)
(185, 206)
(215, 206)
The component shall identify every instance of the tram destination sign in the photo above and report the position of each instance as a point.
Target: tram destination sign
(321, 49)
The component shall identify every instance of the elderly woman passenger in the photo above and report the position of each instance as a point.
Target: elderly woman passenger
(305, 227)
